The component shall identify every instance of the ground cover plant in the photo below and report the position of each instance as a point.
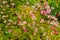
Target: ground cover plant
(29, 19)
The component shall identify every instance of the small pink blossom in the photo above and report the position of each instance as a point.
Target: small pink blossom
(19, 19)
(49, 16)
(25, 29)
(14, 23)
(33, 17)
(32, 14)
(24, 22)
(44, 33)
(43, 12)
(38, 5)
(52, 17)
(29, 24)
(46, 3)
(55, 32)
(48, 11)
(47, 7)
(48, 21)
(10, 30)
(42, 21)
(36, 29)
(53, 27)
(54, 23)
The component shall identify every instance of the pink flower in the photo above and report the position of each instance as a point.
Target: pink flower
(48, 11)
(48, 21)
(10, 30)
(44, 33)
(46, 3)
(52, 17)
(33, 17)
(36, 29)
(32, 14)
(19, 20)
(25, 29)
(24, 22)
(14, 23)
(43, 12)
(53, 27)
(54, 23)
(42, 21)
(55, 32)
(38, 5)
(47, 7)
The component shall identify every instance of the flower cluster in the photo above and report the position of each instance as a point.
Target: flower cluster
(28, 21)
